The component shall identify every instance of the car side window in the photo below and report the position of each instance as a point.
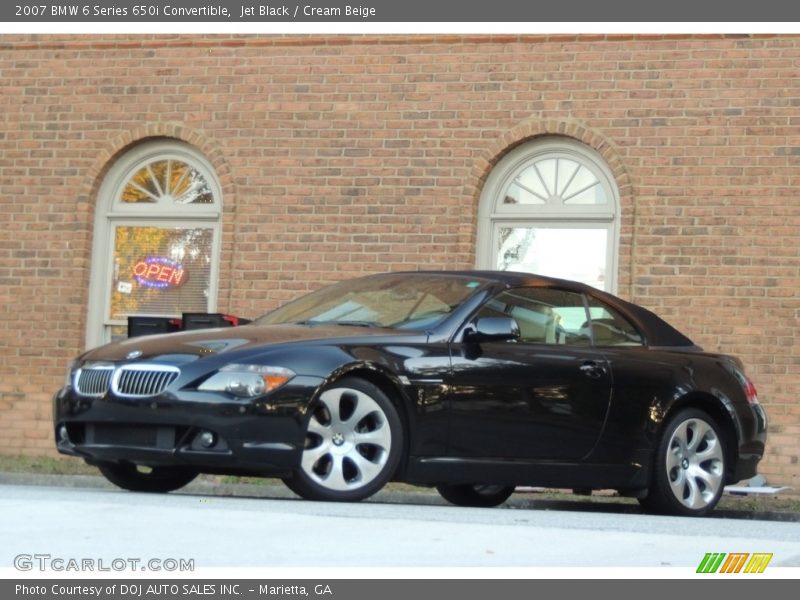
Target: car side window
(544, 316)
(609, 328)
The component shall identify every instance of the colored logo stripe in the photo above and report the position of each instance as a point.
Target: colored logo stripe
(711, 562)
(714, 562)
(734, 562)
(758, 563)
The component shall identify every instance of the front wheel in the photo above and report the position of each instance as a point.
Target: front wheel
(689, 467)
(484, 496)
(353, 444)
(131, 477)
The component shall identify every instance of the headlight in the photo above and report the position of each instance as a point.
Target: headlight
(247, 381)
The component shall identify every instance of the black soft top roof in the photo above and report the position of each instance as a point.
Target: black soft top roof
(657, 331)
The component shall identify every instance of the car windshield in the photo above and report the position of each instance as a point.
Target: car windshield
(399, 301)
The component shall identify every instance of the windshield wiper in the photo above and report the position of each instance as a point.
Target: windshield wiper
(342, 323)
(354, 323)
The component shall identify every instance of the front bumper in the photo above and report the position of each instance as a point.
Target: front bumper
(263, 436)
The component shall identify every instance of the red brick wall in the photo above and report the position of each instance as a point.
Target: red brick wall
(345, 155)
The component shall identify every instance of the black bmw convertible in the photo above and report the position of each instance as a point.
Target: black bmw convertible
(474, 382)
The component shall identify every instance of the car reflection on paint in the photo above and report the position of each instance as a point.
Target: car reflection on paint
(474, 382)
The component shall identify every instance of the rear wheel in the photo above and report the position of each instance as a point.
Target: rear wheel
(689, 467)
(135, 478)
(353, 444)
(475, 495)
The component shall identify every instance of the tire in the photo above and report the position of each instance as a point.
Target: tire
(353, 444)
(158, 480)
(689, 466)
(484, 496)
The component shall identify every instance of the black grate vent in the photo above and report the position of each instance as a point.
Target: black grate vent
(132, 435)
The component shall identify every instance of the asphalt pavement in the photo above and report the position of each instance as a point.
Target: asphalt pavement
(394, 530)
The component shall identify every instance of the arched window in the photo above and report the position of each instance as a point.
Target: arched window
(156, 238)
(550, 207)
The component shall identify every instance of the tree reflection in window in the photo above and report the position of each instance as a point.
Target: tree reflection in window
(168, 181)
(191, 247)
(514, 245)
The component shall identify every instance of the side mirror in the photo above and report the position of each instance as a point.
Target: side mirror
(492, 329)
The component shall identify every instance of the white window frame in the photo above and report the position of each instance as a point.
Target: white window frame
(493, 213)
(111, 212)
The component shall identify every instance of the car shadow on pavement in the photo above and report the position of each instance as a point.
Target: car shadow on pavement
(616, 505)
(519, 501)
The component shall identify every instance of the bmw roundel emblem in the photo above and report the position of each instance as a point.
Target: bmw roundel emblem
(133, 354)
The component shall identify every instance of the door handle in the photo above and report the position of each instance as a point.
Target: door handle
(592, 369)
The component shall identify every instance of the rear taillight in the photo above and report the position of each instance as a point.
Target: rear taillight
(750, 391)
(748, 387)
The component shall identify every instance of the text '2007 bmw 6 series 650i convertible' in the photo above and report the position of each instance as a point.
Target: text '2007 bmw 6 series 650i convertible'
(472, 381)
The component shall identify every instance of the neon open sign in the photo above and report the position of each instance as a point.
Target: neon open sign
(159, 272)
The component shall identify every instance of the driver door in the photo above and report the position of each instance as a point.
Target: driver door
(542, 397)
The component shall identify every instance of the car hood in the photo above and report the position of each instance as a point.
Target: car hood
(190, 345)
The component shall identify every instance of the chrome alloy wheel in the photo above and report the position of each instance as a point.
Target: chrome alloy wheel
(695, 463)
(348, 440)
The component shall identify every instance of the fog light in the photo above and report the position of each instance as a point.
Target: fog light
(207, 439)
(63, 435)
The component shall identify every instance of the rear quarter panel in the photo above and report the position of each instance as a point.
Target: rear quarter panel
(650, 384)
